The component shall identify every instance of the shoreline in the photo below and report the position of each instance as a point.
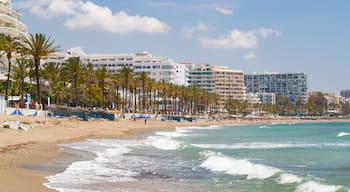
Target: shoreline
(40, 145)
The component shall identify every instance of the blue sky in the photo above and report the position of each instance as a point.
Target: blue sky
(251, 35)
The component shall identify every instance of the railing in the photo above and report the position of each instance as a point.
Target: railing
(10, 19)
(11, 31)
(5, 9)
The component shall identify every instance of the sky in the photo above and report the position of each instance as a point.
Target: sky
(250, 35)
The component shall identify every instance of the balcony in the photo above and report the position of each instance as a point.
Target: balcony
(12, 32)
(5, 9)
(7, 19)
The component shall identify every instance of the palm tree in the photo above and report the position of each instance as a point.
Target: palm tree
(90, 77)
(8, 45)
(39, 46)
(101, 75)
(72, 70)
(142, 77)
(150, 89)
(20, 73)
(52, 72)
(126, 74)
(134, 84)
(115, 78)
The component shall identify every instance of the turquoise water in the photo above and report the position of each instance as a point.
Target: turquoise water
(309, 157)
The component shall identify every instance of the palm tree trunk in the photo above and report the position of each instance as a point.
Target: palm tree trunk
(103, 94)
(143, 96)
(76, 90)
(38, 94)
(117, 97)
(135, 102)
(22, 93)
(8, 78)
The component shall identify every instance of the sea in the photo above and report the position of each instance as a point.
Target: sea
(286, 157)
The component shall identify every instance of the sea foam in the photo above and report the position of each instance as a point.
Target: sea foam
(98, 169)
(262, 145)
(163, 142)
(342, 134)
(171, 134)
(287, 178)
(219, 163)
(312, 186)
(264, 127)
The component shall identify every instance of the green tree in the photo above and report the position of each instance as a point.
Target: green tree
(126, 74)
(52, 72)
(317, 104)
(72, 70)
(39, 46)
(8, 45)
(143, 79)
(101, 75)
(90, 76)
(20, 73)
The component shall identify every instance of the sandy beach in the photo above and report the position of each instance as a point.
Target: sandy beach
(38, 146)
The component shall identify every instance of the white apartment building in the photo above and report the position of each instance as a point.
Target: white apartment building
(267, 98)
(9, 20)
(182, 73)
(9, 25)
(159, 68)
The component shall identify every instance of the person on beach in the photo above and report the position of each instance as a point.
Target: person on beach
(145, 121)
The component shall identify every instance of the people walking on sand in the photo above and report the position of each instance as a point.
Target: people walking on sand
(145, 121)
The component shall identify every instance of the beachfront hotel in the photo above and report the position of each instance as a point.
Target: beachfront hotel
(227, 83)
(9, 25)
(9, 21)
(290, 85)
(159, 68)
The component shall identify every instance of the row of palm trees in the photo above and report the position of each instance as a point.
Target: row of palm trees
(33, 47)
(73, 84)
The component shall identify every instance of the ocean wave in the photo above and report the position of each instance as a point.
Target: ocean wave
(287, 178)
(98, 169)
(342, 134)
(264, 127)
(171, 134)
(269, 145)
(211, 127)
(163, 143)
(219, 163)
(312, 186)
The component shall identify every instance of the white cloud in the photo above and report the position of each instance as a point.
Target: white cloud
(200, 28)
(223, 10)
(267, 32)
(238, 39)
(79, 51)
(86, 15)
(250, 55)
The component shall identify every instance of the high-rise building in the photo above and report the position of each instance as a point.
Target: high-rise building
(267, 98)
(345, 93)
(227, 83)
(9, 25)
(202, 76)
(9, 21)
(290, 85)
